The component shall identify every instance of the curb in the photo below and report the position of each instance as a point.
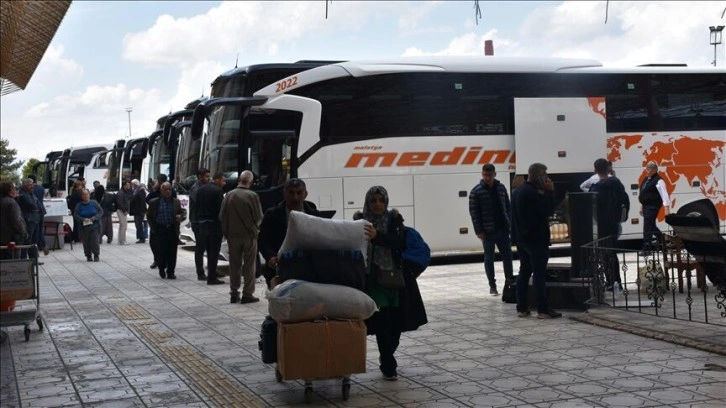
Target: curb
(678, 339)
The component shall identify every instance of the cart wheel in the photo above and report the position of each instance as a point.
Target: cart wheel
(309, 394)
(26, 331)
(39, 320)
(346, 391)
(278, 375)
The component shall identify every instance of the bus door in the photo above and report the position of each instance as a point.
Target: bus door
(565, 134)
(133, 158)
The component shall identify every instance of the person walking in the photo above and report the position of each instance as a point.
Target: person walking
(489, 208)
(39, 193)
(399, 310)
(274, 223)
(202, 179)
(88, 215)
(653, 195)
(165, 214)
(73, 199)
(123, 199)
(532, 204)
(108, 204)
(206, 212)
(31, 210)
(611, 200)
(240, 217)
(137, 208)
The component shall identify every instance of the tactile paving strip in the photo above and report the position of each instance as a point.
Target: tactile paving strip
(203, 375)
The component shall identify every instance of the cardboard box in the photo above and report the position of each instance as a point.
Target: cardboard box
(321, 349)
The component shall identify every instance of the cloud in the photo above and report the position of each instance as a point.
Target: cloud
(248, 28)
(54, 71)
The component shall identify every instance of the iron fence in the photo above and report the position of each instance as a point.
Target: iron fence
(665, 281)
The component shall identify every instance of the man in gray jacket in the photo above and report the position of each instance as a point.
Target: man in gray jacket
(240, 216)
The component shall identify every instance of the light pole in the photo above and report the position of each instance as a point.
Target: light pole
(128, 110)
(715, 39)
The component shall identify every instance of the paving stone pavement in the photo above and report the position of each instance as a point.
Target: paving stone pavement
(116, 335)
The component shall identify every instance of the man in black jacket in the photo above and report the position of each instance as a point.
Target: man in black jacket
(274, 223)
(206, 213)
(489, 210)
(653, 195)
(532, 204)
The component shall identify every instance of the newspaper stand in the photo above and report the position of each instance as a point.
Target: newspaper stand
(19, 282)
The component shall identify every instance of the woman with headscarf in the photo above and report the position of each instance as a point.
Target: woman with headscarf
(400, 310)
(88, 215)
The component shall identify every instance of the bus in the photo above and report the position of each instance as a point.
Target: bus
(61, 169)
(159, 158)
(126, 161)
(423, 127)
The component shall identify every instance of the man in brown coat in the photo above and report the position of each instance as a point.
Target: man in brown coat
(165, 214)
(240, 216)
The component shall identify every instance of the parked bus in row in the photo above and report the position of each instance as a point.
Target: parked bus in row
(423, 127)
(60, 170)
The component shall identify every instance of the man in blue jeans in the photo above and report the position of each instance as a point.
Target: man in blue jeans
(489, 208)
(533, 203)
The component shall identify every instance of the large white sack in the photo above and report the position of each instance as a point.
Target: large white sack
(298, 301)
(309, 232)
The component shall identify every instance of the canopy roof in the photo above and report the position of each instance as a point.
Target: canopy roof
(26, 29)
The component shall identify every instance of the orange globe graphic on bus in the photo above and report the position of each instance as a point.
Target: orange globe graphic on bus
(681, 160)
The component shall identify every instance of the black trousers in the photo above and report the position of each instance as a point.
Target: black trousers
(198, 250)
(388, 335)
(166, 247)
(209, 240)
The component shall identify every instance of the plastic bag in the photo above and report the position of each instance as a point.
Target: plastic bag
(309, 232)
(298, 301)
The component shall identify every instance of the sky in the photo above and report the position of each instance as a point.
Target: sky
(155, 57)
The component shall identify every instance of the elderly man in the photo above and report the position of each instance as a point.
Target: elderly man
(165, 214)
(241, 215)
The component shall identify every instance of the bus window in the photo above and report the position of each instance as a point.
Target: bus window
(269, 161)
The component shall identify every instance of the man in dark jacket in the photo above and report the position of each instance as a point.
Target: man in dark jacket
(611, 200)
(39, 193)
(489, 210)
(165, 214)
(206, 209)
(653, 195)
(31, 210)
(532, 204)
(202, 179)
(274, 223)
(137, 208)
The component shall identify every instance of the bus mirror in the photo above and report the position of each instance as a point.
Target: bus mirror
(167, 131)
(200, 115)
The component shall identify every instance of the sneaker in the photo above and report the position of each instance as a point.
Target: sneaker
(548, 314)
(526, 313)
(493, 291)
(234, 298)
(215, 282)
(249, 299)
(95, 258)
(162, 273)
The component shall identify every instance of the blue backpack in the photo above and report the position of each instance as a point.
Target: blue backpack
(417, 251)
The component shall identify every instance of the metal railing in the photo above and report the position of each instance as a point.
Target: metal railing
(666, 282)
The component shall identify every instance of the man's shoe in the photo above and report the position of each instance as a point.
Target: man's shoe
(141, 241)
(46, 250)
(493, 291)
(170, 275)
(390, 377)
(95, 258)
(162, 273)
(201, 276)
(526, 313)
(548, 314)
(249, 299)
(109, 241)
(215, 282)
(153, 265)
(89, 259)
(234, 298)
(41, 263)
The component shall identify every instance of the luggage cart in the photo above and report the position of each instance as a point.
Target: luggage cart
(19, 282)
(345, 385)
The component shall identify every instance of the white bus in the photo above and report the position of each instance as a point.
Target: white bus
(423, 127)
(61, 169)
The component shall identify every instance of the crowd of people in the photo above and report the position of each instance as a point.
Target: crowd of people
(238, 217)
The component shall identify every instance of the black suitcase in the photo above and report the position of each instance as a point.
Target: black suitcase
(509, 293)
(268, 341)
(337, 267)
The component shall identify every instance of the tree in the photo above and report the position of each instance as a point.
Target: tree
(8, 165)
(28, 170)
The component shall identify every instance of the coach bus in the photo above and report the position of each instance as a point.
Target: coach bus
(64, 168)
(126, 161)
(423, 127)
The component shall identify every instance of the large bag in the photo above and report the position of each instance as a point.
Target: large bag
(417, 252)
(268, 340)
(298, 301)
(309, 232)
(337, 267)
